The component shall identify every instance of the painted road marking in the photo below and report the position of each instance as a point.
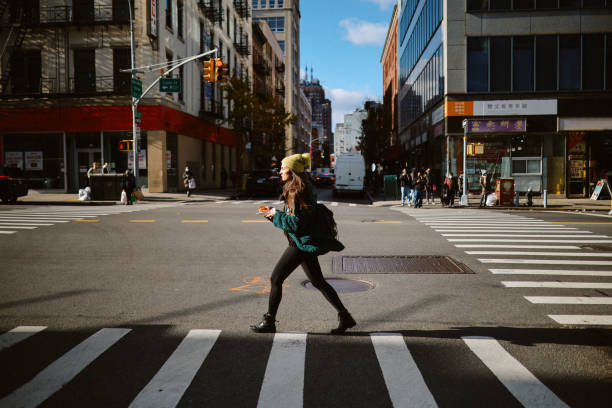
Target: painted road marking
(516, 246)
(194, 221)
(18, 334)
(32, 219)
(334, 204)
(548, 229)
(569, 300)
(404, 381)
(283, 383)
(57, 374)
(169, 384)
(526, 253)
(526, 236)
(26, 224)
(582, 223)
(255, 221)
(557, 285)
(525, 387)
(548, 272)
(582, 319)
(7, 232)
(580, 241)
(86, 220)
(15, 227)
(142, 220)
(545, 261)
(352, 205)
(387, 222)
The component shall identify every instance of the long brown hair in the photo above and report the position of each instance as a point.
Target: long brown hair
(296, 189)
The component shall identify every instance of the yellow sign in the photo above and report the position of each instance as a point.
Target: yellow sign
(459, 108)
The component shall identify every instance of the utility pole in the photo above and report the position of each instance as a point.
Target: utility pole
(135, 128)
(464, 197)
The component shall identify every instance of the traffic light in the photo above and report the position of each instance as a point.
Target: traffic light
(208, 75)
(138, 118)
(126, 145)
(322, 155)
(221, 71)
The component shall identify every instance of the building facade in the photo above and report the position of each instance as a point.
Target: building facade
(321, 110)
(305, 117)
(283, 17)
(349, 133)
(532, 77)
(389, 64)
(66, 100)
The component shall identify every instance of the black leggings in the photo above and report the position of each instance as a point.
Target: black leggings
(291, 259)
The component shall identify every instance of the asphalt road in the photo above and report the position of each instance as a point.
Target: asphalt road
(151, 308)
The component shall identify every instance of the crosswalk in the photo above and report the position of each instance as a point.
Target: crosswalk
(283, 381)
(14, 221)
(277, 203)
(516, 245)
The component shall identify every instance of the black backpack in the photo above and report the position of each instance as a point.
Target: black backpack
(325, 225)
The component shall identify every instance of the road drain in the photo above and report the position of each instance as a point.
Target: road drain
(398, 264)
(344, 285)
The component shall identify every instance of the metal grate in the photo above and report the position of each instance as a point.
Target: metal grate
(398, 264)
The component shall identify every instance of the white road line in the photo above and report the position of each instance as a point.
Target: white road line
(33, 219)
(569, 300)
(25, 224)
(557, 285)
(545, 261)
(169, 384)
(352, 205)
(583, 319)
(512, 230)
(565, 272)
(528, 253)
(220, 202)
(521, 383)
(15, 227)
(488, 224)
(571, 241)
(61, 371)
(526, 236)
(7, 232)
(283, 383)
(404, 381)
(334, 204)
(18, 334)
(55, 215)
(516, 246)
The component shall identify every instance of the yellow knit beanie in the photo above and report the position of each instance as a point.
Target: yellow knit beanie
(297, 162)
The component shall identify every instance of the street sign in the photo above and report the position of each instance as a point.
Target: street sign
(136, 88)
(170, 85)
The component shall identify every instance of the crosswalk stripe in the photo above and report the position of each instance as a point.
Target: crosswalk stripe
(404, 381)
(32, 219)
(15, 227)
(517, 246)
(7, 232)
(61, 371)
(167, 386)
(25, 224)
(564, 230)
(525, 236)
(334, 204)
(352, 205)
(557, 285)
(56, 215)
(583, 319)
(521, 383)
(569, 300)
(283, 384)
(548, 272)
(18, 334)
(543, 261)
(579, 241)
(530, 253)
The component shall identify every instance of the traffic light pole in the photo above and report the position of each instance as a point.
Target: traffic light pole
(135, 129)
(464, 196)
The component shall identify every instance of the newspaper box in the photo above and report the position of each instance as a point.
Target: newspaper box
(505, 191)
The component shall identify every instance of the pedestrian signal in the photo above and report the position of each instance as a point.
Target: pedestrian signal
(126, 146)
(221, 71)
(208, 74)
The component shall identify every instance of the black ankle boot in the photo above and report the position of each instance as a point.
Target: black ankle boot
(267, 325)
(345, 321)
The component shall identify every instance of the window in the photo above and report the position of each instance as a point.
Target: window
(500, 4)
(282, 46)
(478, 64)
(84, 70)
(609, 60)
(256, 4)
(26, 72)
(593, 3)
(271, 3)
(569, 62)
(500, 64)
(546, 63)
(593, 61)
(179, 12)
(521, 165)
(169, 14)
(523, 4)
(279, 4)
(569, 3)
(546, 4)
(121, 60)
(523, 64)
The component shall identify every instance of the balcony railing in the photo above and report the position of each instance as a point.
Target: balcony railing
(211, 11)
(242, 46)
(242, 8)
(280, 68)
(262, 67)
(212, 110)
(280, 90)
(76, 86)
(80, 15)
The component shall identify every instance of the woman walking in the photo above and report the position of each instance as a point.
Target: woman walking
(301, 223)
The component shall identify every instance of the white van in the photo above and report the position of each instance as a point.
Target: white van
(350, 173)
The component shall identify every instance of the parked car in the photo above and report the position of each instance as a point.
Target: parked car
(12, 184)
(325, 178)
(263, 182)
(350, 174)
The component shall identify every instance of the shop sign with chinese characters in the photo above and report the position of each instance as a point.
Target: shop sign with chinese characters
(502, 107)
(497, 125)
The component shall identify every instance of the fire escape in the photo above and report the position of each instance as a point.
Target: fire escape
(14, 27)
(212, 12)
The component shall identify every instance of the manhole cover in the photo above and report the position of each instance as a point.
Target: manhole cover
(397, 264)
(344, 285)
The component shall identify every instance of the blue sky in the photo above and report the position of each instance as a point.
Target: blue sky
(342, 40)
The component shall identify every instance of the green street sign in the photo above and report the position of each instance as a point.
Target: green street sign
(136, 88)
(170, 85)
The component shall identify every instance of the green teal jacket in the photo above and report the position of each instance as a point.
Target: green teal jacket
(300, 226)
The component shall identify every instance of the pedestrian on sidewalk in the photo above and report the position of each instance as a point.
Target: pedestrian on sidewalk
(419, 188)
(450, 188)
(128, 184)
(187, 177)
(428, 186)
(485, 188)
(404, 182)
(302, 224)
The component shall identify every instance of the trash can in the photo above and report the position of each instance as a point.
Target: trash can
(390, 187)
(505, 191)
(106, 187)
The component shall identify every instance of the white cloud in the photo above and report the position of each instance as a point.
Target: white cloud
(345, 101)
(361, 32)
(383, 4)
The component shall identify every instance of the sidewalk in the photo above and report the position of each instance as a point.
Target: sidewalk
(558, 204)
(58, 197)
